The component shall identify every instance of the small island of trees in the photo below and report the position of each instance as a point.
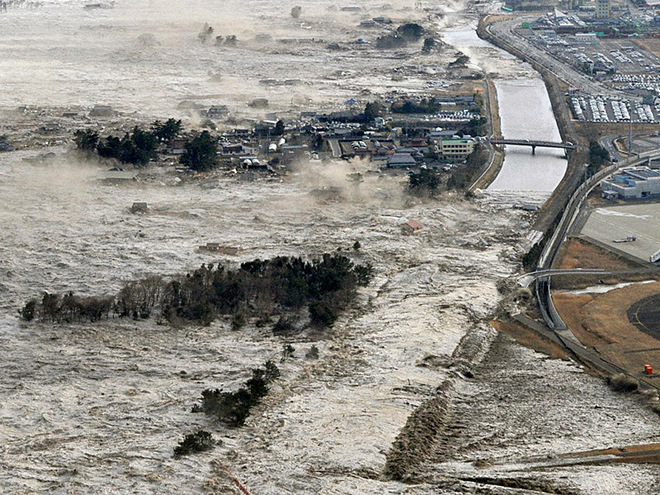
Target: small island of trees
(283, 287)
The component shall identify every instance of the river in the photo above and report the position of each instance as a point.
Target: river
(525, 113)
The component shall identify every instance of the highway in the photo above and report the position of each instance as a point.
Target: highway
(504, 34)
(526, 279)
(549, 253)
(607, 142)
(505, 31)
(575, 202)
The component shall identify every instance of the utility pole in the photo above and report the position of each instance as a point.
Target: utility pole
(630, 144)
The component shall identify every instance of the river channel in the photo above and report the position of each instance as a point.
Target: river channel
(525, 113)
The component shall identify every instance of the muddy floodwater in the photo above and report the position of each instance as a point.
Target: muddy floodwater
(145, 56)
(91, 405)
(98, 408)
(86, 405)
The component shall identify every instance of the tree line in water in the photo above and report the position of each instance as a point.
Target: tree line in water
(281, 286)
(140, 146)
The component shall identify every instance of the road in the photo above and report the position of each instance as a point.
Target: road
(526, 279)
(547, 258)
(607, 142)
(551, 249)
(522, 48)
(505, 31)
(534, 144)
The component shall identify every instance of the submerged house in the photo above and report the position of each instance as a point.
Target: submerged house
(411, 227)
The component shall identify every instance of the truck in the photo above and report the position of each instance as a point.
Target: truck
(655, 257)
(630, 238)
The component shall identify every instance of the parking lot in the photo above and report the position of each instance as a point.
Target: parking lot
(598, 57)
(625, 56)
(620, 64)
(616, 223)
(599, 108)
(636, 82)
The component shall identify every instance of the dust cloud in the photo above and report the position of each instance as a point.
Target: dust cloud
(355, 181)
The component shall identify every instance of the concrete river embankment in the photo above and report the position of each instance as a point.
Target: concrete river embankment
(525, 112)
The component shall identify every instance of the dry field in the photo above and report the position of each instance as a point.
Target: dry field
(650, 44)
(600, 322)
(576, 253)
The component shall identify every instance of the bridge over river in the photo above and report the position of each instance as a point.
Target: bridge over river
(534, 143)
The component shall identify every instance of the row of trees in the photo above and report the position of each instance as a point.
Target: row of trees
(424, 183)
(200, 441)
(425, 105)
(466, 174)
(476, 126)
(280, 287)
(140, 146)
(137, 147)
(598, 156)
(233, 408)
(201, 154)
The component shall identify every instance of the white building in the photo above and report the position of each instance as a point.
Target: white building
(633, 183)
(603, 9)
(457, 149)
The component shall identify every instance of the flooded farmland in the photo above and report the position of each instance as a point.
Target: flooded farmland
(98, 408)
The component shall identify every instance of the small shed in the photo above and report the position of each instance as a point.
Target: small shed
(411, 227)
(139, 207)
(102, 111)
(217, 111)
(176, 147)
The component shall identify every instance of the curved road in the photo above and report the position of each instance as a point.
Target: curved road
(505, 31)
(517, 45)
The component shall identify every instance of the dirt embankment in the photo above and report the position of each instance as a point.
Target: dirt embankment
(418, 437)
(531, 339)
(648, 453)
(556, 88)
(431, 421)
(497, 156)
